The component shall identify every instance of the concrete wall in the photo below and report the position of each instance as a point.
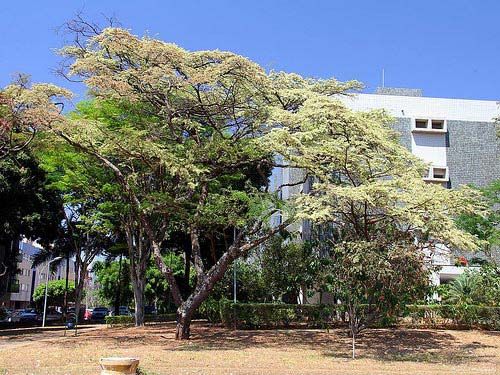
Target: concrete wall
(473, 153)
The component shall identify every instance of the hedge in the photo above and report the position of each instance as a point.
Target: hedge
(262, 315)
(469, 316)
(124, 320)
(273, 315)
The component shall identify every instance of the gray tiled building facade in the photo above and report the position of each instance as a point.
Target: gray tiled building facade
(468, 145)
(458, 138)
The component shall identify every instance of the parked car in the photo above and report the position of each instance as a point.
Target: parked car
(24, 316)
(150, 310)
(5, 314)
(99, 313)
(123, 310)
(52, 316)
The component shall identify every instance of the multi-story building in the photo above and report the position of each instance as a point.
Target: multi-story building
(23, 284)
(456, 137)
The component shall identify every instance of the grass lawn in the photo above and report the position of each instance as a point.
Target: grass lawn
(214, 350)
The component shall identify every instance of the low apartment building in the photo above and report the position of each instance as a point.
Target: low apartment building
(23, 284)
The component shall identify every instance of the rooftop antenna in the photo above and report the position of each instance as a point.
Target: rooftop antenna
(383, 77)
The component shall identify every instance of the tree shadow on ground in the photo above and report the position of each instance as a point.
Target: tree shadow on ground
(414, 345)
(433, 346)
(380, 344)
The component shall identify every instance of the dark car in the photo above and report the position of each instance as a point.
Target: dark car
(28, 316)
(99, 313)
(150, 310)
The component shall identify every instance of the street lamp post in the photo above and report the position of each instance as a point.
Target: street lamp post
(234, 269)
(46, 289)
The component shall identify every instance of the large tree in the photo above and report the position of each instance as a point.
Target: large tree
(199, 120)
(88, 227)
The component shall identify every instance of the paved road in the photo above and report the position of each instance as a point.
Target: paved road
(23, 336)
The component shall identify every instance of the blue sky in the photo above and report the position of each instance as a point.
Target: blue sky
(448, 48)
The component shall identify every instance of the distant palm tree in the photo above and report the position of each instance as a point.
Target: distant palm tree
(465, 290)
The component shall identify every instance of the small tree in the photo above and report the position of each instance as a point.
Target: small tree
(374, 282)
(55, 293)
(289, 267)
(379, 221)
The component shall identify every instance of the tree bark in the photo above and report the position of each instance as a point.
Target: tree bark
(118, 287)
(79, 286)
(183, 330)
(138, 286)
(353, 345)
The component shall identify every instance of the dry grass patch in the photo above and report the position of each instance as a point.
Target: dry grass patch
(215, 350)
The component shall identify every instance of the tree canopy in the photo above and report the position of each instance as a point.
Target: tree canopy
(187, 141)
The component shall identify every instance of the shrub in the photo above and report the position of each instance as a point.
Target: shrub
(210, 310)
(125, 320)
(458, 315)
(268, 315)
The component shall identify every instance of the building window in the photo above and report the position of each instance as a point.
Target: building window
(429, 125)
(437, 174)
(13, 286)
(421, 124)
(438, 124)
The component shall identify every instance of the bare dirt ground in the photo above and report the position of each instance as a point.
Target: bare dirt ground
(214, 350)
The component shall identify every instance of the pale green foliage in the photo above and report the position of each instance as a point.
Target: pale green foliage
(26, 109)
(360, 169)
(34, 107)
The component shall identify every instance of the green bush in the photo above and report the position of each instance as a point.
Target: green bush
(458, 315)
(268, 315)
(210, 310)
(125, 320)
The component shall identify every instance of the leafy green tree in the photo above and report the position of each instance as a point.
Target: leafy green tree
(56, 290)
(486, 226)
(88, 228)
(289, 267)
(29, 208)
(110, 276)
(377, 218)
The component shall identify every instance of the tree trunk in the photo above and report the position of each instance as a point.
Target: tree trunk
(118, 287)
(353, 345)
(183, 330)
(65, 308)
(138, 286)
